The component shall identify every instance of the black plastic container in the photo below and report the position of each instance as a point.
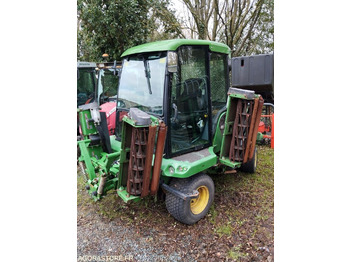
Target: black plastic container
(254, 73)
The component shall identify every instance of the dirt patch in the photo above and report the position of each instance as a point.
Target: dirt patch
(239, 226)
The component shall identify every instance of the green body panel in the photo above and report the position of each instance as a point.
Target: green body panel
(126, 196)
(240, 96)
(85, 157)
(217, 140)
(229, 163)
(188, 168)
(154, 121)
(228, 124)
(86, 127)
(115, 144)
(172, 45)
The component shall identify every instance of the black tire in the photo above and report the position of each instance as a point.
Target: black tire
(190, 211)
(250, 166)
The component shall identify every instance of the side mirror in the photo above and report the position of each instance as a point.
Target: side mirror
(172, 62)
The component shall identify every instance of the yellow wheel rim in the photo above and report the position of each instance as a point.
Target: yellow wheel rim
(200, 203)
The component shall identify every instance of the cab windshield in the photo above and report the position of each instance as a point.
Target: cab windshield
(142, 83)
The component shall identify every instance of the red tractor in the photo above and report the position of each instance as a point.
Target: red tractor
(102, 91)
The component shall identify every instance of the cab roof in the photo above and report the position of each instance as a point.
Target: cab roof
(172, 45)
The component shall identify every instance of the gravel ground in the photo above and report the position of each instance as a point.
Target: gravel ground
(100, 237)
(239, 226)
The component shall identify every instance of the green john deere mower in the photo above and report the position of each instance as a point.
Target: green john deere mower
(177, 120)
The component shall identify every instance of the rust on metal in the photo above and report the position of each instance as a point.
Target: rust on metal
(233, 171)
(251, 129)
(240, 130)
(256, 126)
(158, 158)
(148, 163)
(137, 161)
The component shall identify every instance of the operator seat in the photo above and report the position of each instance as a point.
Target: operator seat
(190, 95)
(190, 103)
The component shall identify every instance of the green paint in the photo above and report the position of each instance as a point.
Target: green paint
(86, 157)
(217, 140)
(184, 169)
(154, 121)
(87, 128)
(259, 137)
(173, 45)
(126, 196)
(229, 163)
(115, 144)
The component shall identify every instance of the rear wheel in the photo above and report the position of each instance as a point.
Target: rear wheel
(191, 210)
(250, 166)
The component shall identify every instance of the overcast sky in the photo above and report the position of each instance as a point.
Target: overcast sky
(178, 6)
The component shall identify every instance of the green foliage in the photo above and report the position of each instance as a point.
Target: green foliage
(111, 26)
(262, 40)
(165, 24)
(212, 214)
(234, 253)
(224, 230)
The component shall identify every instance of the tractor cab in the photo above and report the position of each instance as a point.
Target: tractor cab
(183, 82)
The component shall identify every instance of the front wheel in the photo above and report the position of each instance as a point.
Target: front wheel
(191, 210)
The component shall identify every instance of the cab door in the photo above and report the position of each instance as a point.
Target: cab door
(190, 117)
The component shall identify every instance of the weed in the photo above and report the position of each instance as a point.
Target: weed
(235, 254)
(213, 213)
(224, 230)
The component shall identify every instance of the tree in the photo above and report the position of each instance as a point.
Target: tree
(241, 24)
(202, 12)
(262, 40)
(112, 26)
(165, 24)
